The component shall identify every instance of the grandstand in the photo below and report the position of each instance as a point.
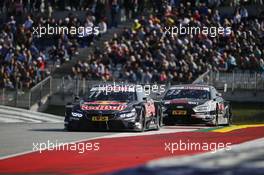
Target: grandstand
(142, 54)
(137, 52)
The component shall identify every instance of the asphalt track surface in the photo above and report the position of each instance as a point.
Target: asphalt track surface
(117, 150)
(21, 131)
(17, 138)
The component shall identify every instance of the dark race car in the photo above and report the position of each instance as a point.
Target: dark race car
(195, 104)
(113, 108)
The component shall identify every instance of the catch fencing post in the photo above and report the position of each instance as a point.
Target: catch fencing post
(212, 75)
(29, 101)
(77, 86)
(16, 97)
(3, 96)
(256, 81)
(63, 87)
(40, 93)
(233, 82)
(50, 91)
(84, 86)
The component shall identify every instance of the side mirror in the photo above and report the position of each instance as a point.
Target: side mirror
(145, 98)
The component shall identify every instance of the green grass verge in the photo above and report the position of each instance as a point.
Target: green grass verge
(243, 113)
(247, 113)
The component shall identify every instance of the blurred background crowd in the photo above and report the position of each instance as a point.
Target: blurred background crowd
(139, 53)
(25, 57)
(143, 54)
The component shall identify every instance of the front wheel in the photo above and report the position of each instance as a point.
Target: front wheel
(167, 122)
(142, 120)
(158, 119)
(215, 123)
(69, 128)
(229, 117)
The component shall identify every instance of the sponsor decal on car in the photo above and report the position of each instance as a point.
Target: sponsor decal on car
(179, 101)
(150, 109)
(193, 103)
(221, 107)
(179, 112)
(114, 88)
(103, 108)
(192, 87)
(104, 103)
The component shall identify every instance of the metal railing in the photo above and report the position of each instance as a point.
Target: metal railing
(26, 98)
(41, 90)
(70, 86)
(202, 79)
(15, 98)
(237, 80)
(233, 81)
(67, 86)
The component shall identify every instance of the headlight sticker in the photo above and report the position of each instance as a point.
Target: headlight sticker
(75, 114)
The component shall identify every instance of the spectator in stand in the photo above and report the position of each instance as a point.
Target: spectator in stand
(102, 26)
(114, 13)
(28, 23)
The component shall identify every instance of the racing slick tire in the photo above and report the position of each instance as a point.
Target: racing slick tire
(158, 118)
(228, 116)
(69, 128)
(215, 122)
(168, 123)
(142, 119)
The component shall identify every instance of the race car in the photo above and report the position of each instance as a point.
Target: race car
(111, 107)
(195, 104)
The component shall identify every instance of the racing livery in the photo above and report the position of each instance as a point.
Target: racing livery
(195, 104)
(113, 109)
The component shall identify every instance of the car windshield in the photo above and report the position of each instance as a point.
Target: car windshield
(110, 96)
(187, 93)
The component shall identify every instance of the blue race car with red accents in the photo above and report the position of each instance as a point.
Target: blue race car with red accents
(111, 107)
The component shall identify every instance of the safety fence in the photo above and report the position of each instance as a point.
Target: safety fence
(67, 86)
(26, 98)
(236, 80)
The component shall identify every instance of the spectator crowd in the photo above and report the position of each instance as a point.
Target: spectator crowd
(25, 57)
(144, 54)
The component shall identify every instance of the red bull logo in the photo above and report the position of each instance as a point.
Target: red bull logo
(103, 108)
